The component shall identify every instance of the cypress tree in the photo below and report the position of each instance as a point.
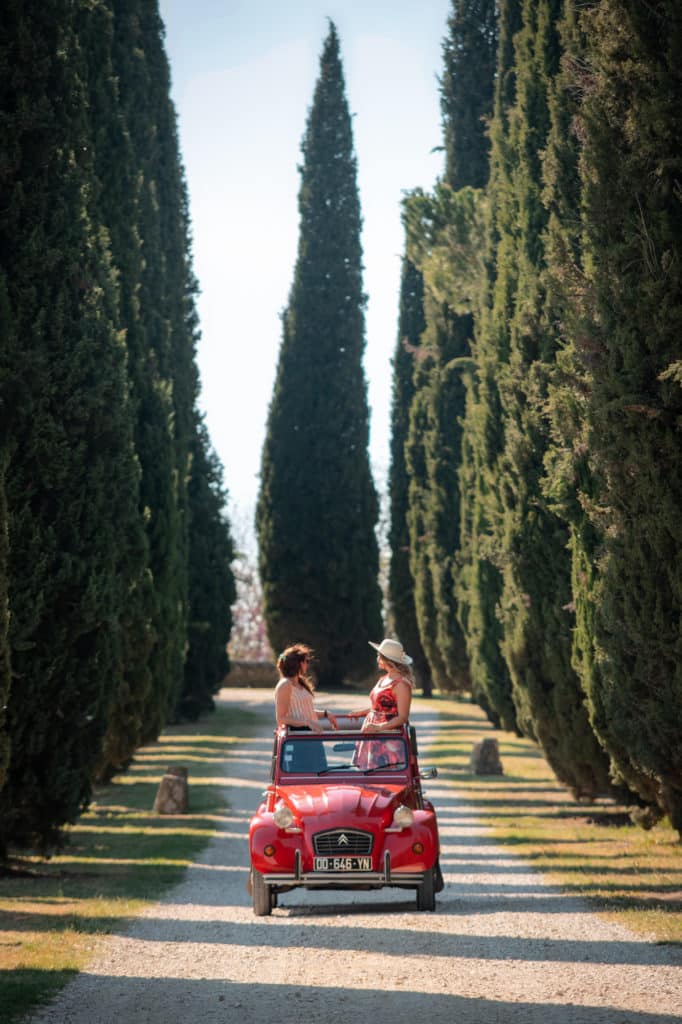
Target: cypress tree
(4, 628)
(420, 542)
(466, 99)
(72, 479)
(444, 236)
(624, 398)
(211, 581)
(5, 383)
(466, 90)
(435, 451)
(479, 581)
(116, 195)
(153, 253)
(411, 324)
(317, 506)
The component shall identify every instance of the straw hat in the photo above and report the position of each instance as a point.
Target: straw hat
(393, 650)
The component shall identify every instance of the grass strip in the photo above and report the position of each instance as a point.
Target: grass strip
(588, 848)
(119, 857)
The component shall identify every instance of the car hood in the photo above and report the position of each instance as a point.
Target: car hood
(339, 803)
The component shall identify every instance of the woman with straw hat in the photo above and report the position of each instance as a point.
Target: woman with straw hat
(391, 697)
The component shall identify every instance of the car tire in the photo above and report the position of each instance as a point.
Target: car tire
(439, 881)
(262, 895)
(426, 895)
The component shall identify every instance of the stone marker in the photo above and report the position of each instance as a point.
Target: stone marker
(485, 758)
(172, 795)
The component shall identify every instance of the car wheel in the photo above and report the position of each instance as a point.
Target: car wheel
(426, 896)
(262, 895)
(439, 881)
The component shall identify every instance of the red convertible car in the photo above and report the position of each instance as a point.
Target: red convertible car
(344, 810)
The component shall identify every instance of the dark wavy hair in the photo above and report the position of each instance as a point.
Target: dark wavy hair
(290, 661)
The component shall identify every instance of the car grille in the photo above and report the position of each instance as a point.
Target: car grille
(342, 841)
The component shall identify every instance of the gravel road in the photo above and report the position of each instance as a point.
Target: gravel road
(503, 946)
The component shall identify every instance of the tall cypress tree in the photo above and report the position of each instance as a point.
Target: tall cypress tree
(434, 443)
(466, 99)
(411, 325)
(466, 90)
(317, 506)
(211, 581)
(479, 581)
(624, 398)
(150, 236)
(72, 480)
(116, 193)
(4, 630)
(5, 384)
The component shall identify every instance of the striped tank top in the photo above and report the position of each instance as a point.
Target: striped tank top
(300, 702)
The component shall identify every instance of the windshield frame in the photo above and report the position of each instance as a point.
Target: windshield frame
(322, 765)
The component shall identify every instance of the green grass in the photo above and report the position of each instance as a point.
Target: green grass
(588, 848)
(118, 858)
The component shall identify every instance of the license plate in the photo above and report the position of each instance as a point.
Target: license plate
(343, 864)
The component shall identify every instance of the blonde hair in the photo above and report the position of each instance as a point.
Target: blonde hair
(404, 671)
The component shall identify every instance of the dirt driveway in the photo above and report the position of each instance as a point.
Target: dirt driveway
(502, 946)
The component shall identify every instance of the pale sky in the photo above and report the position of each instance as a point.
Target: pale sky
(243, 75)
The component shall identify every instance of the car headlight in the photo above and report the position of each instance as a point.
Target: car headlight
(403, 816)
(283, 816)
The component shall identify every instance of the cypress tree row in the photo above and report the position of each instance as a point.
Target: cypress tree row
(411, 325)
(211, 582)
(317, 506)
(531, 540)
(98, 367)
(623, 399)
(72, 479)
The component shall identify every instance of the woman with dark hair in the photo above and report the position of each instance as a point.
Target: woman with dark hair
(294, 692)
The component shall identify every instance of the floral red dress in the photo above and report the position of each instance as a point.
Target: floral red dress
(384, 702)
(384, 707)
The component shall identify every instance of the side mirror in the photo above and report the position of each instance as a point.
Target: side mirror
(428, 773)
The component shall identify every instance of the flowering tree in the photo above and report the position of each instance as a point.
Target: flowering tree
(248, 640)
